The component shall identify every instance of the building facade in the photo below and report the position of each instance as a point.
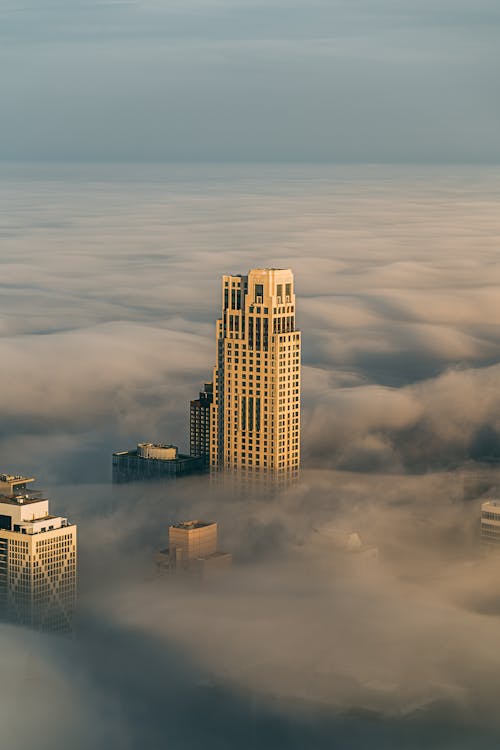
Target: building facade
(199, 424)
(193, 549)
(151, 461)
(14, 484)
(255, 414)
(38, 565)
(490, 522)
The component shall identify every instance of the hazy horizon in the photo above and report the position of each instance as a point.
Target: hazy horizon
(211, 80)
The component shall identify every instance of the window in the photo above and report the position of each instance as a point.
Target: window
(259, 292)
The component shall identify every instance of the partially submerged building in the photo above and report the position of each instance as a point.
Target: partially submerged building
(154, 461)
(38, 562)
(199, 423)
(193, 550)
(490, 522)
(255, 414)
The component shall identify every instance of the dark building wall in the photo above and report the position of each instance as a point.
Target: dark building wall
(129, 467)
(199, 424)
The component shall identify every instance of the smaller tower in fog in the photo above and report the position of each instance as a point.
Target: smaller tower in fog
(199, 424)
(193, 550)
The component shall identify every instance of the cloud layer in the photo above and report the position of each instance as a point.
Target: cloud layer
(110, 286)
(109, 290)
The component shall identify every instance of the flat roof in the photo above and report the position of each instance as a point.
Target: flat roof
(269, 268)
(180, 456)
(491, 504)
(15, 478)
(21, 499)
(189, 525)
(213, 555)
(156, 445)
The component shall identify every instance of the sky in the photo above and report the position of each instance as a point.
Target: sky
(110, 287)
(377, 81)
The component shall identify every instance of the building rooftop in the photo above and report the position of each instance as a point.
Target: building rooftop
(156, 445)
(15, 478)
(269, 268)
(490, 504)
(190, 525)
(42, 525)
(134, 452)
(214, 555)
(21, 499)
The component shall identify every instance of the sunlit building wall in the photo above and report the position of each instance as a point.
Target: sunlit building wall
(38, 565)
(255, 416)
(193, 549)
(490, 522)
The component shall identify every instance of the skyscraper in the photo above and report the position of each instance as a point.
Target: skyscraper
(199, 424)
(37, 564)
(255, 415)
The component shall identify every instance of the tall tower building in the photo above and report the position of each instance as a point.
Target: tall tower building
(37, 564)
(199, 424)
(255, 415)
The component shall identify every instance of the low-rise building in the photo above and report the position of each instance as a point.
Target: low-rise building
(154, 461)
(192, 549)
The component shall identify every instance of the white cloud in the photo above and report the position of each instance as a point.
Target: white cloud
(109, 291)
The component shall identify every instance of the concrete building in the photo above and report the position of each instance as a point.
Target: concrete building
(192, 549)
(490, 522)
(199, 424)
(154, 461)
(12, 484)
(255, 415)
(37, 564)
